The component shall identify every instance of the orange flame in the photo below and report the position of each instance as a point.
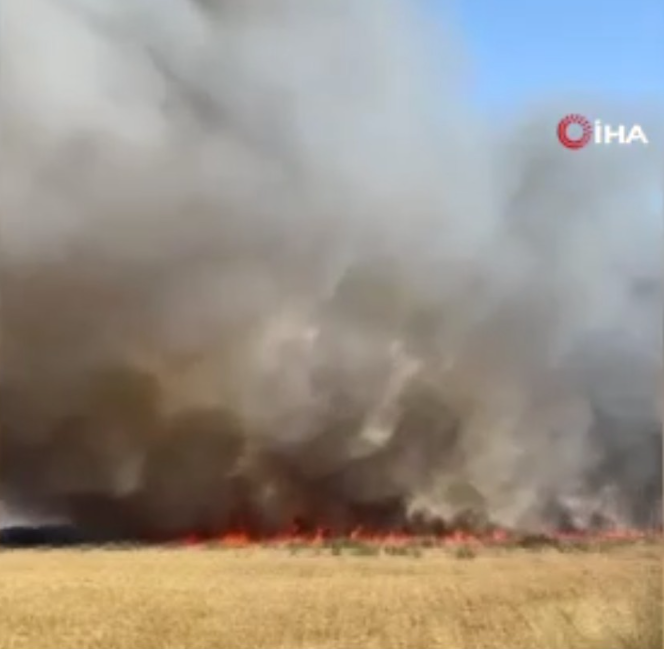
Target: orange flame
(496, 537)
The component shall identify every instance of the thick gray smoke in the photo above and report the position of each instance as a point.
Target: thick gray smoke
(259, 263)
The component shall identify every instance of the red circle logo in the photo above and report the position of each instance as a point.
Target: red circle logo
(578, 142)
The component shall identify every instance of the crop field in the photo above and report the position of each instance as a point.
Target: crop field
(354, 596)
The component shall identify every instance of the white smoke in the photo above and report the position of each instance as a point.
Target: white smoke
(283, 209)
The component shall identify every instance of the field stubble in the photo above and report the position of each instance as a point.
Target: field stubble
(331, 598)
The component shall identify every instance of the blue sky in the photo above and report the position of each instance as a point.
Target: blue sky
(529, 49)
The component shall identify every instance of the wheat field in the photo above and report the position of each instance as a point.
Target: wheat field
(316, 599)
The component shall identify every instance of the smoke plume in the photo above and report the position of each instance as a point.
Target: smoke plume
(260, 263)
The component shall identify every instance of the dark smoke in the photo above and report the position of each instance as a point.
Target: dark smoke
(259, 266)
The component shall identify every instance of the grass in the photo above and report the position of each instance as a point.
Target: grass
(336, 596)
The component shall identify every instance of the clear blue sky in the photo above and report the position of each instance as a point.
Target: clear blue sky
(526, 49)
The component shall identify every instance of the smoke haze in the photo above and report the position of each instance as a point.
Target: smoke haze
(259, 263)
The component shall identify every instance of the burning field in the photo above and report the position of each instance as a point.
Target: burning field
(266, 278)
(311, 591)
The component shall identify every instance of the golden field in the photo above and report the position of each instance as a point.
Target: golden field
(313, 599)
